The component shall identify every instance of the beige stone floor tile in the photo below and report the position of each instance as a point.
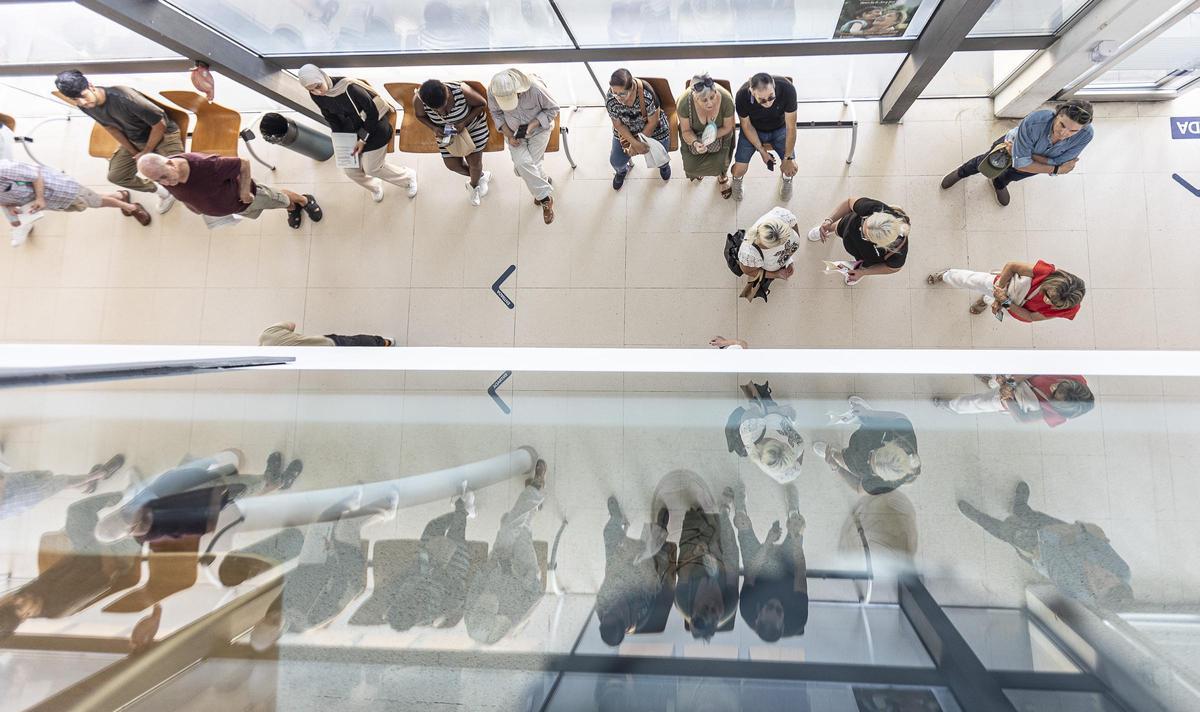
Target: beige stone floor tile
(1077, 333)
(798, 318)
(382, 312)
(1070, 248)
(1123, 318)
(237, 316)
(233, 260)
(39, 262)
(987, 333)
(938, 209)
(78, 315)
(985, 212)
(1168, 205)
(677, 260)
(574, 317)
(1175, 310)
(1120, 258)
(581, 206)
(87, 258)
(459, 317)
(30, 314)
(1054, 203)
(882, 319)
(989, 251)
(931, 148)
(880, 150)
(283, 260)
(667, 208)
(939, 318)
(1115, 201)
(1118, 148)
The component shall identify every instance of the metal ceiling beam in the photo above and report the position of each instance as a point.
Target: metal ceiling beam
(180, 33)
(945, 32)
(99, 66)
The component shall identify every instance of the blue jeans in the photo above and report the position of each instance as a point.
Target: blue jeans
(619, 160)
(746, 150)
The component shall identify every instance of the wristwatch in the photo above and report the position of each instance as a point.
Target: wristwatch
(1006, 304)
(1055, 171)
(790, 158)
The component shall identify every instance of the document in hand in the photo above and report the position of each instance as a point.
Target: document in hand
(343, 149)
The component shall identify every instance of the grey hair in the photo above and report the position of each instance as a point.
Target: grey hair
(1076, 398)
(152, 166)
(1068, 289)
(703, 84)
(883, 229)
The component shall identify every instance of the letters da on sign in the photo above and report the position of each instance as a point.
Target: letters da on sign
(1185, 127)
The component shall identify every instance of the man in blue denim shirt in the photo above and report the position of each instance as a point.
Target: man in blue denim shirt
(1045, 142)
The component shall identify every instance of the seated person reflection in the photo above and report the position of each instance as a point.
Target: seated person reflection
(774, 600)
(882, 453)
(434, 591)
(765, 432)
(1028, 399)
(639, 577)
(1078, 557)
(22, 490)
(331, 570)
(79, 575)
(510, 584)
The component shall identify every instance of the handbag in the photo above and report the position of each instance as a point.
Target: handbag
(461, 145)
(760, 286)
(656, 154)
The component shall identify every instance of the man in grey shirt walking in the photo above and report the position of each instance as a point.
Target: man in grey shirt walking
(524, 112)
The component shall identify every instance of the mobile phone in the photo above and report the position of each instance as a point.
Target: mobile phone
(999, 315)
(522, 131)
(771, 165)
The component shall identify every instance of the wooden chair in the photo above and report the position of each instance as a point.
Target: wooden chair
(495, 138)
(8, 121)
(667, 100)
(217, 127)
(414, 137)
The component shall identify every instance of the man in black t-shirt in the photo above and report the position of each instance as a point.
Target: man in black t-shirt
(766, 108)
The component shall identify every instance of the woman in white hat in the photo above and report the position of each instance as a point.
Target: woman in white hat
(524, 112)
(352, 106)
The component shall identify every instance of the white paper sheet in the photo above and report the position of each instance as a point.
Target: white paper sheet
(223, 221)
(343, 146)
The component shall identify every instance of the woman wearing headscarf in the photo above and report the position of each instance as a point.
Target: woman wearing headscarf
(352, 106)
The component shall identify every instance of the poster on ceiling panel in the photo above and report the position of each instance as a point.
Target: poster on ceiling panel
(875, 18)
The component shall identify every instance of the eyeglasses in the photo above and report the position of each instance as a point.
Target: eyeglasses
(621, 94)
(1077, 113)
(766, 101)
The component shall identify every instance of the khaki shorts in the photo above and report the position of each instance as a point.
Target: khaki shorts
(87, 198)
(265, 198)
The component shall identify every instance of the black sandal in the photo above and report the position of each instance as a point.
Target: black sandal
(295, 217)
(313, 209)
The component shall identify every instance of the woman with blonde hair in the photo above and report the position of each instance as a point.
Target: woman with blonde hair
(882, 453)
(1028, 292)
(873, 232)
(770, 244)
(706, 126)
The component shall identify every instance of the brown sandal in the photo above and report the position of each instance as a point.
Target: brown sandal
(138, 213)
(978, 307)
(547, 210)
(727, 191)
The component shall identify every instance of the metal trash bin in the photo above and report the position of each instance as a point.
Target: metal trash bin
(286, 132)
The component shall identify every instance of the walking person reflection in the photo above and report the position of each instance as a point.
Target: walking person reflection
(882, 453)
(639, 577)
(774, 600)
(765, 433)
(1028, 399)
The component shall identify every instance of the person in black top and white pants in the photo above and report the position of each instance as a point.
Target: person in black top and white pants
(352, 106)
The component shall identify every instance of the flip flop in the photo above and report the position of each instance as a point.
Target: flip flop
(313, 209)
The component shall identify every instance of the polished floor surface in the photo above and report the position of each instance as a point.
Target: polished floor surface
(638, 267)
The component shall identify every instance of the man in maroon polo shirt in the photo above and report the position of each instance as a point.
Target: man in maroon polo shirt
(217, 186)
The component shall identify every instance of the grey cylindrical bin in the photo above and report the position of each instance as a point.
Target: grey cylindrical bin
(286, 132)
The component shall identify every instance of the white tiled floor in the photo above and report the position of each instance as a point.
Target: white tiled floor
(639, 267)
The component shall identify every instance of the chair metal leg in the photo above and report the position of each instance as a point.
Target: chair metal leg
(853, 143)
(563, 130)
(28, 139)
(246, 140)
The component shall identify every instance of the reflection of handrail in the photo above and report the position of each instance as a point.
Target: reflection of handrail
(28, 137)
(18, 377)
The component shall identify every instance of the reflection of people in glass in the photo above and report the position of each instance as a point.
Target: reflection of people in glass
(21, 490)
(765, 20)
(449, 25)
(511, 582)
(75, 575)
(434, 590)
(639, 577)
(1028, 399)
(1077, 557)
(864, 18)
(775, 588)
(882, 453)
(706, 590)
(331, 570)
(891, 23)
(765, 432)
(884, 528)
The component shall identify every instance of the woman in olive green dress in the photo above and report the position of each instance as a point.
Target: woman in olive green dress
(706, 124)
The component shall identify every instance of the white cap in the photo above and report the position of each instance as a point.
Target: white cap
(506, 86)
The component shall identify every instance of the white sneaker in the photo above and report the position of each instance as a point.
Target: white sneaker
(412, 186)
(814, 235)
(483, 183)
(475, 194)
(377, 194)
(468, 500)
(165, 203)
(485, 177)
(858, 403)
(21, 233)
(820, 448)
